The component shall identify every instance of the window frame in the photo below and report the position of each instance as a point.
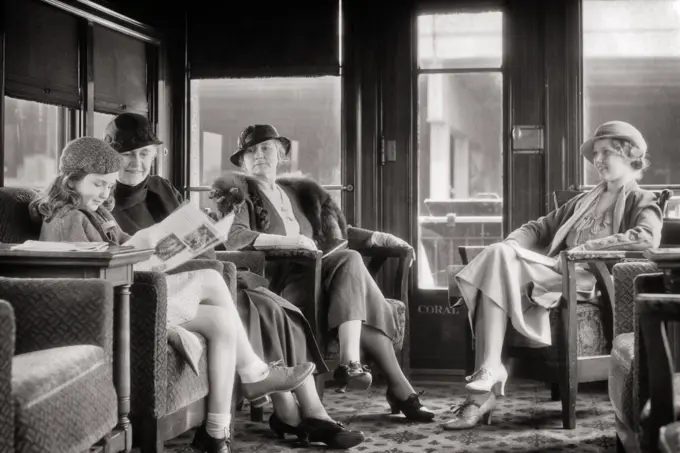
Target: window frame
(88, 14)
(501, 69)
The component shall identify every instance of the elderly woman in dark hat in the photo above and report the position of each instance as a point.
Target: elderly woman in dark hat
(283, 333)
(509, 280)
(298, 212)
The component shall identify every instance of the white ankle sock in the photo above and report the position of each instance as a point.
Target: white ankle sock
(254, 372)
(217, 425)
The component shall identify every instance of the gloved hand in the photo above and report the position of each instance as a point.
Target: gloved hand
(380, 239)
(273, 241)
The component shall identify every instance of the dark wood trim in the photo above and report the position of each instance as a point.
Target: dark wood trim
(507, 123)
(350, 122)
(179, 80)
(152, 81)
(574, 71)
(86, 70)
(2, 89)
(463, 6)
(108, 18)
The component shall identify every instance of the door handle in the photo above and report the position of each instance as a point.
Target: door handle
(346, 188)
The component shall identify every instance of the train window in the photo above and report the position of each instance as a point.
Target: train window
(631, 72)
(305, 109)
(35, 134)
(101, 120)
(460, 148)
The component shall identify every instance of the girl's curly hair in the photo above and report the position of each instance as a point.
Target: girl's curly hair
(62, 194)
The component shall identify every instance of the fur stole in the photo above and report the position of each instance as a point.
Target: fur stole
(234, 190)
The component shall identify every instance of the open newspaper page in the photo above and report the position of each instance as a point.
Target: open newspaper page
(184, 234)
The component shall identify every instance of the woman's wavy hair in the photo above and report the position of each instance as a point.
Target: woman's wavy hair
(62, 194)
(637, 159)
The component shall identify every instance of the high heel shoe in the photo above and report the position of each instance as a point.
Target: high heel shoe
(410, 407)
(353, 375)
(279, 378)
(485, 380)
(333, 434)
(468, 414)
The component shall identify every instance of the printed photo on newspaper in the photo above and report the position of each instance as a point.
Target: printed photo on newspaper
(184, 234)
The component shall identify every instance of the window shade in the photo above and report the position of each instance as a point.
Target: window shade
(41, 51)
(119, 72)
(269, 39)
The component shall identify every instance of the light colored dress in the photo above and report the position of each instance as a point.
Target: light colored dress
(526, 287)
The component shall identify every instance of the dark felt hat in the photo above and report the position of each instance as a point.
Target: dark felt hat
(89, 155)
(256, 134)
(129, 131)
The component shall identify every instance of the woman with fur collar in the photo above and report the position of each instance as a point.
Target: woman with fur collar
(510, 280)
(297, 212)
(277, 329)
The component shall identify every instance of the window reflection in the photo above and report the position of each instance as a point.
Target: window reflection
(101, 120)
(35, 133)
(460, 177)
(631, 72)
(307, 110)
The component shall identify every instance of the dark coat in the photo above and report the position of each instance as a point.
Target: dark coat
(315, 204)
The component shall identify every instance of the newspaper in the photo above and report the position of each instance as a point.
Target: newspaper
(184, 234)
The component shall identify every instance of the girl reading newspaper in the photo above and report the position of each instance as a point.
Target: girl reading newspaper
(76, 208)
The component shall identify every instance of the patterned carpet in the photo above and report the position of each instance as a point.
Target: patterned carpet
(525, 421)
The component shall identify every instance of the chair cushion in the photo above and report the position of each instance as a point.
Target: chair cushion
(64, 398)
(398, 309)
(184, 386)
(621, 379)
(591, 339)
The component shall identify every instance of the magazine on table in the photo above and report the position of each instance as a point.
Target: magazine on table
(184, 234)
(50, 246)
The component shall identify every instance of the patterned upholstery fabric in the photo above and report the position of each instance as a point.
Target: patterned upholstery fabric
(53, 312)
(63, 344)
(624, 367)
(16, 225)
(621, 378)
(591, 340)
(624, 275)
(47, 381)
(161, 382)
(399, 316)
(6, 353)
(184, 387)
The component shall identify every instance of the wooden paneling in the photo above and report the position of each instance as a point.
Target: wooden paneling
(527, 193)
(524, 58)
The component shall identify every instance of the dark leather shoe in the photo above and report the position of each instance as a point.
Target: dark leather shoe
(280, 379)
(353, 375)
(411, 407)
(333, 434)
(205, 443)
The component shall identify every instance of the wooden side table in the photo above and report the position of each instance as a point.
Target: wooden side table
(113, 265)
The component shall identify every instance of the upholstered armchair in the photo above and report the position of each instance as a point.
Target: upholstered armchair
(167, 397)
(582, 333)
(395, 261)
(56, 382)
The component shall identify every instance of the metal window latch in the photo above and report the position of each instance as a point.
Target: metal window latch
(346, 188)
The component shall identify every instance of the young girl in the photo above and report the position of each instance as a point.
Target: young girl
(76, 208)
